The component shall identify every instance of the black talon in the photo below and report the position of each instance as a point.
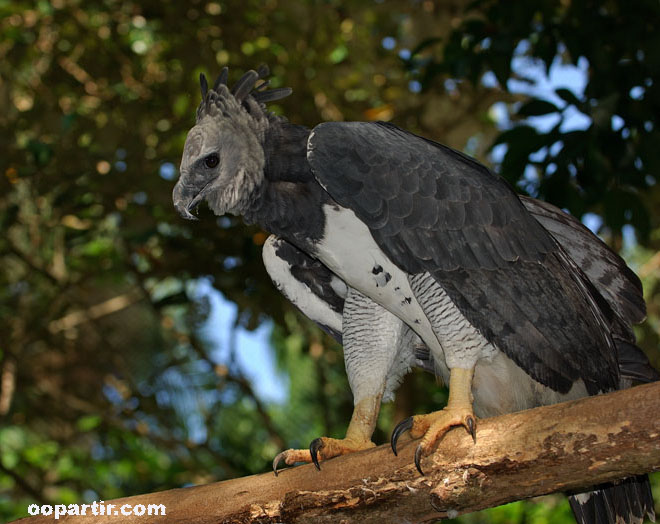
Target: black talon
(418, 456)
(472, 428)
(401, 427)
(314, 447)
(276, 461)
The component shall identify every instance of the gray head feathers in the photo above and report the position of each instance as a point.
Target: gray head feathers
(224, 158)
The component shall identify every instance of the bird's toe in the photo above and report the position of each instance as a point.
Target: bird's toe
(320, 449)
(432, 427)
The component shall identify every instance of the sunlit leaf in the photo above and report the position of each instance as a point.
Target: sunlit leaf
(88, 423)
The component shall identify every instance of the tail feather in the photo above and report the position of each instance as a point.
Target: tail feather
(634, 365)
(628, 501)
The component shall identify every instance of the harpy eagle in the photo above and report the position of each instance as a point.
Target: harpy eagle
(413, 254)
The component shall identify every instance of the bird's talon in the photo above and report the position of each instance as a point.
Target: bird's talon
(314, 448)
(320, 449)
(472, 427)
(418, 457)
(276, 461)
(400, 429)
(433, 426)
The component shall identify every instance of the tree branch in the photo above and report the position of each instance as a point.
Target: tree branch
(24, 484)
(566, 446)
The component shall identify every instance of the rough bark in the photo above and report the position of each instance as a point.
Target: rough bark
(554, 448)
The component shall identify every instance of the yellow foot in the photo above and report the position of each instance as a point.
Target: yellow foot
(322, 448)
(432, 428)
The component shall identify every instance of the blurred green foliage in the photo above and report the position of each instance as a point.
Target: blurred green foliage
(108, 385)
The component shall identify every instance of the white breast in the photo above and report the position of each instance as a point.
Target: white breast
(349, 250)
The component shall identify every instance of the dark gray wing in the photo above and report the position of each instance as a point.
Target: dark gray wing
(432, 209)
(613, 279)
(606, 270)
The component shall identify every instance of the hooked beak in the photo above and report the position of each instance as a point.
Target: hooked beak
(186, 198)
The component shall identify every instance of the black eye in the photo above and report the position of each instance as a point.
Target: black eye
(212, 160)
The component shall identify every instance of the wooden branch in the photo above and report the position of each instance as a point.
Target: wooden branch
(553, 448)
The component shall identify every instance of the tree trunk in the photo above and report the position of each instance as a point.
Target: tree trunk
(562, 447)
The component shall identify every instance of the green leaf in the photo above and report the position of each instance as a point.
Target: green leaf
(522, 133)
(501, 66)
(41, 152)
(428, 42)
(98, 247)
(537, 107)
(88, 422)
(338, 54)
(567, 96)
(180, 106)
(41, 453)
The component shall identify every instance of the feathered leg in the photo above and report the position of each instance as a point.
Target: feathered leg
(378, 351)
(460, 346)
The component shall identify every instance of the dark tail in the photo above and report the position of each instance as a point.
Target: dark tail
(626, 501)
(634, 365)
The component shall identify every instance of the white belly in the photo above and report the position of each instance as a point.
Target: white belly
(349, 250)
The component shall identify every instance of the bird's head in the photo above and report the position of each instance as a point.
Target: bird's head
(223, 158)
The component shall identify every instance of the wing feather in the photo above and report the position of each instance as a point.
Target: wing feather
(606, 270)
(445, 214)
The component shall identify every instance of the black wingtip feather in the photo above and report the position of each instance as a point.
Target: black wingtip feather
(627, 501)
(634, 364)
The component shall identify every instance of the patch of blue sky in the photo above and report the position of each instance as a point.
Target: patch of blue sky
(253, 355)
(167, 171)
(533, 81)
(637, 92)
(592, 221)
(414, 86)
(497, 153)
(617, 123)
(388, 43)
(629, 238)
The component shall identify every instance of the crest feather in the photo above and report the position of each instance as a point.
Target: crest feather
(245, 85)
(272, 94)
(215, 99)
(222, 78)
(204, 85)
(263, 71)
